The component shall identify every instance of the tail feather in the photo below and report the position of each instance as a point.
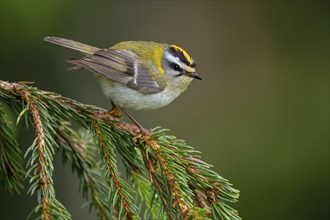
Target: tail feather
(84, 48)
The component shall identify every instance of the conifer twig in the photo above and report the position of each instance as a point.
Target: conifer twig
(173, 185)
(44, 180)
(166, 174)
(111, 171)
(153, 178)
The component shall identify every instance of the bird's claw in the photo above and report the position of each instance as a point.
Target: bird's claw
(115, 112)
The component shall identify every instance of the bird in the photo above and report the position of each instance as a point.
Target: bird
(138, 75)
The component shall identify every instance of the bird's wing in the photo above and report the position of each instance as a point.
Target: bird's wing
(121, 66)
(75, 45)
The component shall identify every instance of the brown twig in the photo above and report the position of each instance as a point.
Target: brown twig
(152, 177)
(36, 118)
(201, 200)
(210, 195)
(173, 184)
(112, 172)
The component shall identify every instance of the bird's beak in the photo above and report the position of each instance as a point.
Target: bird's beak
(194, 75)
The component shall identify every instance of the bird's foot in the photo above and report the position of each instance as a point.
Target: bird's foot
(115, 112)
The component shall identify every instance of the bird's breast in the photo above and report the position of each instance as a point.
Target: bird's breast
(133, 99)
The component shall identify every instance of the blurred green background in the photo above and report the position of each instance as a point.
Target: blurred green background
(261, 116)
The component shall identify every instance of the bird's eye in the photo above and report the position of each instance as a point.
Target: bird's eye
(176, 67)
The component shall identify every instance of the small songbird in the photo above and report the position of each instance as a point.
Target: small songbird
(136, 74)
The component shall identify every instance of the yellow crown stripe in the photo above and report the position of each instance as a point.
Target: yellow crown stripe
(185, 54)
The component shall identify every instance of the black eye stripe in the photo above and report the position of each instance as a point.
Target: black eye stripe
(176, 67)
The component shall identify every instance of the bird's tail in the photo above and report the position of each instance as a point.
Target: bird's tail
(84, 48)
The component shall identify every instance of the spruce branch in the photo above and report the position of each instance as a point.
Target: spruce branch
(175, 181)
(41, 159)
(43, 180)
(165, 174)
(110, 171)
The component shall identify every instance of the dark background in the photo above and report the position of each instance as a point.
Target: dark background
(261, 116)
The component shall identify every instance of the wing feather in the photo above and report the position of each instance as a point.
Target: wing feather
(99, 68)
(121, 66)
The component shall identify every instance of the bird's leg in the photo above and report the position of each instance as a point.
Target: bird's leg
(143, 130)
(115, 111)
